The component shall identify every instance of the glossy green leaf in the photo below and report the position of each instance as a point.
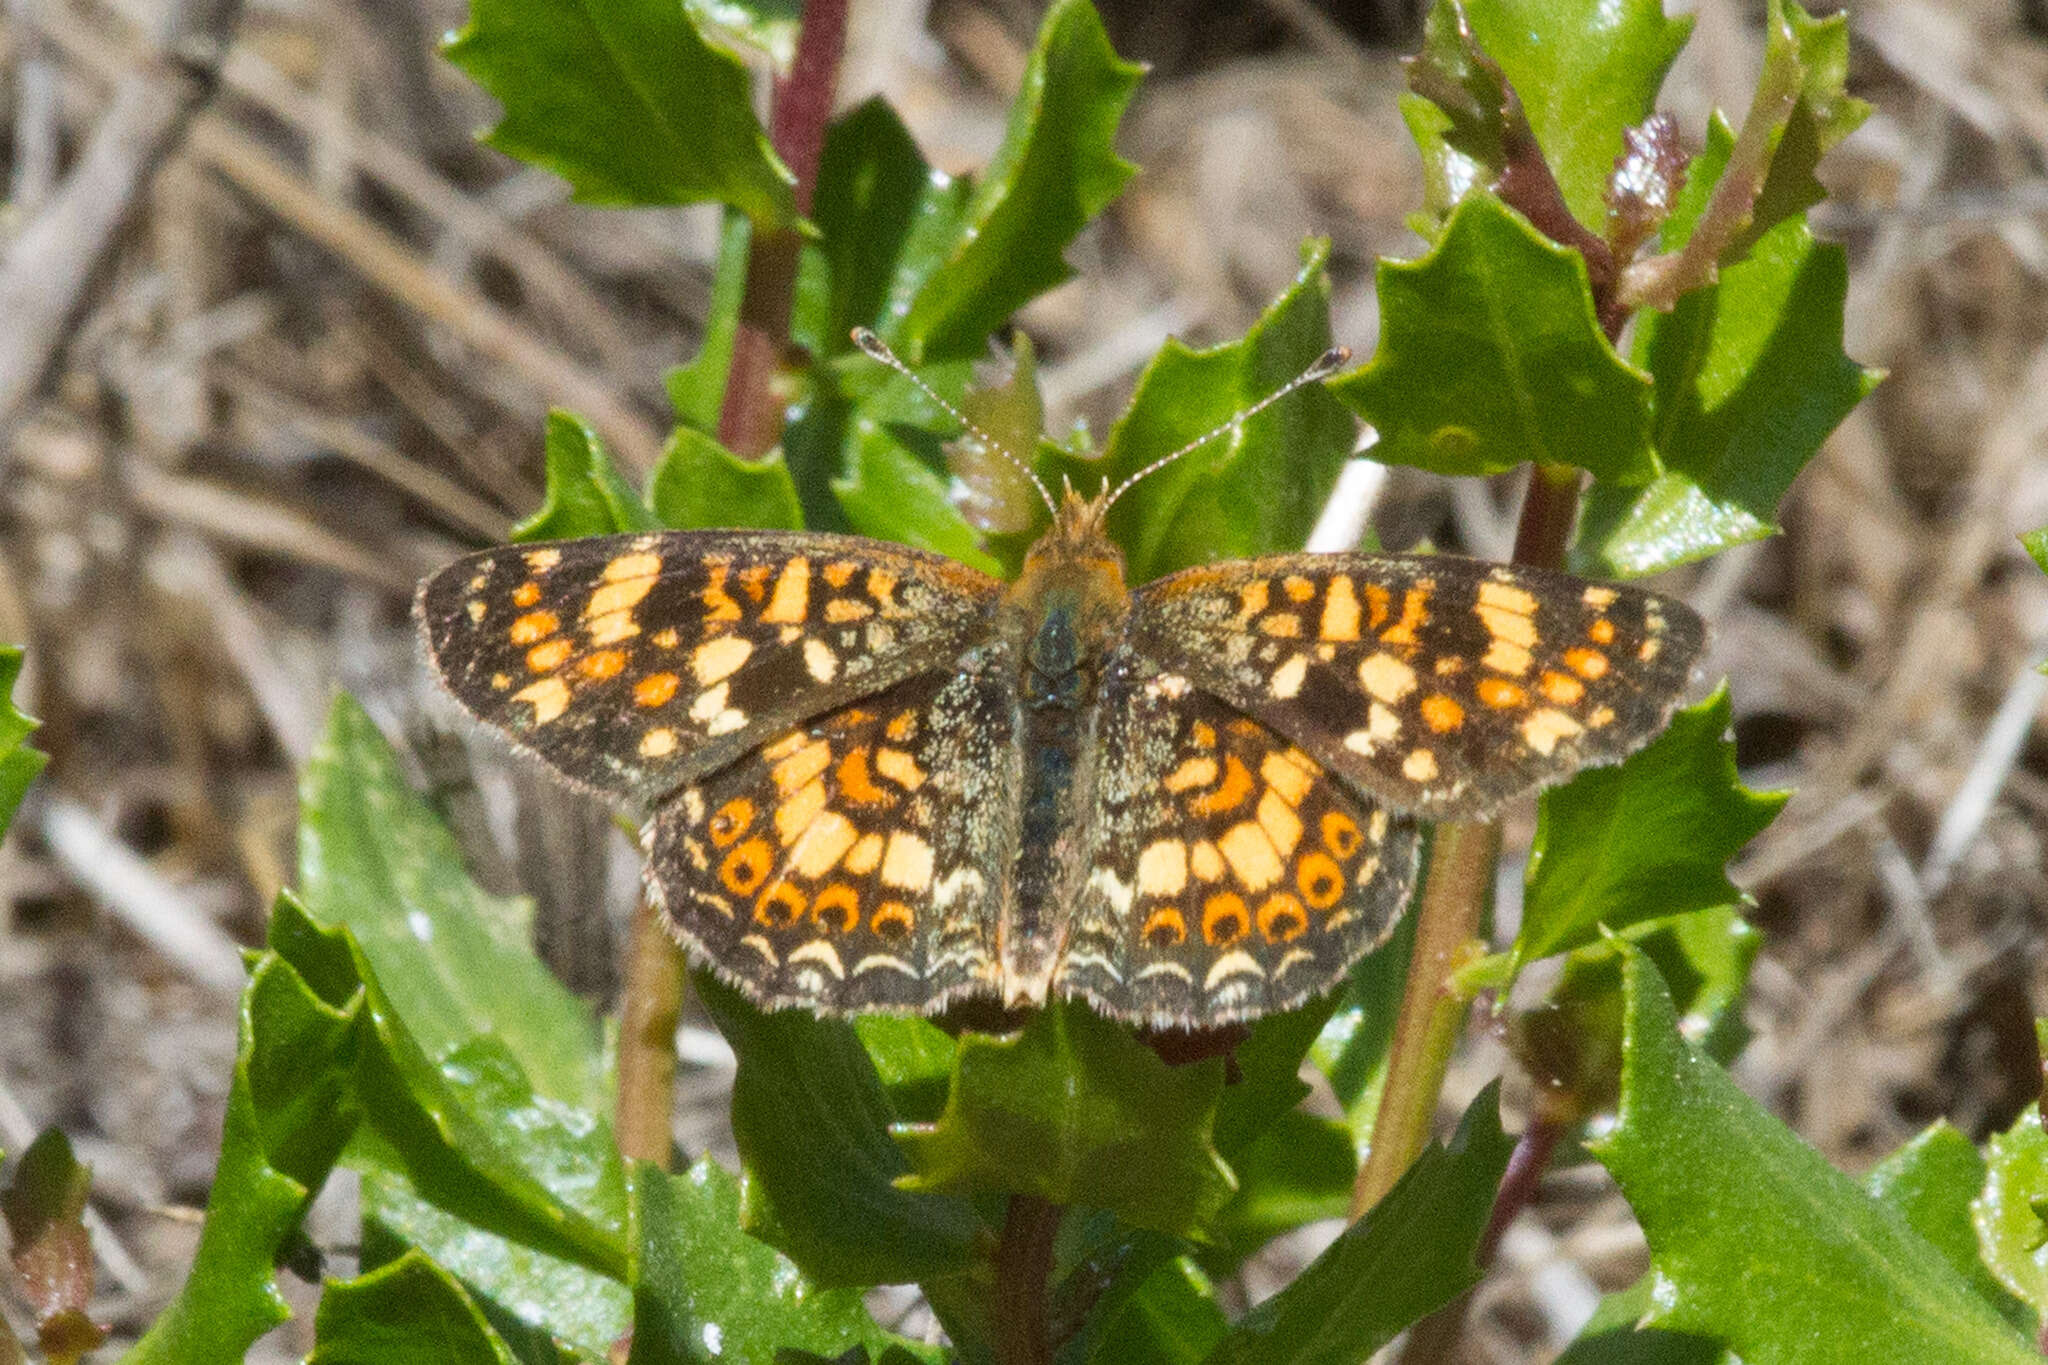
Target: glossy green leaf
(699, 483)
(1299, 1170)
(1646, 839)
(812, 1120)
(913, 1059)
(1268, 1083)
(770, 25)
(1074, 1109)
(452, 958)
(1409, 1256)
(1756, 1240)
(1931, 1183)
(1258, 487)
(1353, 1048)
(696, 389)
(586, 494)
(290, 1109)
(18, 763)
(894, 490)
(2011, 1212)
(1490, 355)
(706, 1292)
(1170, 1318)
(410, 1312)
(1750, 378)
(1055, 171)
(626, 101)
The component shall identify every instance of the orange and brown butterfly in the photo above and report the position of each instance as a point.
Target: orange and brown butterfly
(877, 779)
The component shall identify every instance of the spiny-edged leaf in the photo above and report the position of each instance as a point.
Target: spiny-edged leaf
(1704, 956)
(586, 494)
(1648, 838)
(2012, 1233)
(18, 764)
(1585, 70)
(470, 1134)
(1258, 487)
(1054, 172)
(1931, 1182)
(291, 1107)
(1409, 1256)
(1169, 1318)
(811, 1119)
(770, 25)
(1812, 55)
(1268, 1083)
(451, 957)
(1490, 355)
(913, 1059)
(44, 1208)
(1612, 1336)
(1353, 1047)
(705, 1291)
(1755, 1239)
(525, 1293)
(626, 101)
(699, 483)
(696, 389)
(1749, 379)
(410, 1312)
(1299, 1170)
(892, 492)
(1077, 1111)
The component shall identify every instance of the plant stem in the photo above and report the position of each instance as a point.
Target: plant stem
(1549, 507)
(1023, 1266)
(750, 422)
(647, 1040)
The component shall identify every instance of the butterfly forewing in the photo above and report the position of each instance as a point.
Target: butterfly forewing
(1230, 874)
(632, 663)
(1444, 686)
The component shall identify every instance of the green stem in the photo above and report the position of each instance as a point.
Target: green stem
(647, 1040)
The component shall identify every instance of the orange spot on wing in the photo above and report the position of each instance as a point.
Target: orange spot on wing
(1376, 606)
(534, 627)
(1501, 694)
(718, 603)
(526, 594)
(1165, 927)
(1587, 663)
(1320, 879)
(1414, 616)
(604, 663)
(746, 867)
(1281, 918)
(893, 920)
(1229, 794)
(1601, 632)
(1341, 834)
(1442, 714)
(548, 655)
(1561, 688)
(783, 906)
(857, 783)
(732, 820)
(655, 689)
(1224, 919)
(837, 908)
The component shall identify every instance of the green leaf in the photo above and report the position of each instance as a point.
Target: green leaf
(1353, 1048)
(291, 1107)
(2012, 1234)
(1585, 70)
(1409, 1256)
(699, 483)
(408, 1311)
(1704, 957)
(1755, 1239)
(1054, 172)
(697, 389)
(1930, 1182)
(1750, 378)
(1300, 1170)
(1646, 839)
(1169, 1318)
(626, 101)
(811, 1119)
(770, 25)
(1258, 487)
(18, 764)
(1612, 1336)
(1490, 355)
(893, 490)
(1077, 1111)
(705, 1291)
(44, 1208)
(586, 495)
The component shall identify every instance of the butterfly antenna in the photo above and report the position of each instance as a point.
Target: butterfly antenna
(877, 349)
(1327, 364)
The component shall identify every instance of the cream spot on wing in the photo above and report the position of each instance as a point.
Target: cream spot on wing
(1507, 597)
(819, 660)
(1199, 771)
(1205, 861)
(1419, 766)
(540, 561)
(797, 810)
(1236, 962)
(709, 703)
(1285, 684)
(1251, 600)
(1340, 611)
(1376, 829)
(877, 961)
(790, 602)
(611, 627)
(500, 681)
(819, 851)
(716, 660)
(1649, 649)
(900, 768)
(803, 763)
(1597, 597)
(1505, 656)
(1163, 868)
(1543, 729)
(477, 584)
(1286, 776)
(477, 611)
(1282, 625)
(550, 697)
(1381, 723)
(841, 610)
(1114, 889)
(908, 862)
(865, 856)
(762, 946)
(1386, 677)
(1280, 822)
(622, 591)
(1250, 854)
(1602, 716)
(659, 742)
(725, 722)
(821, 952)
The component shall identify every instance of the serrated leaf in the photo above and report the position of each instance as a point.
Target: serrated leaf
(1646, 839)
(706, 1292)
(2012, 1234)
(1750, 378)
(1612, 1336)
(408, 1311)
(1490, 355)
(1170, 1318)
(291, 1107)
(1931, 1182)
(1409, 1256)
(586, 494)
(811, 1119)
(1258, 487)
(1300, 1170)
(18, 763)
(1054, 172)
(1704, 957)
(1755, 1239)
(699, 483)
(1075, 1110)
(893, 488)
(626, 101)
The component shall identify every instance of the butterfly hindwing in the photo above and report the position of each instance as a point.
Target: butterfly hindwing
(630, 663)
(1444, 686)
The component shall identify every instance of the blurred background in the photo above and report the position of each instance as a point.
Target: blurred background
(312, 361)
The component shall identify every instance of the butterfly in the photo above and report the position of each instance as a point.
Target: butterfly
(878, 779)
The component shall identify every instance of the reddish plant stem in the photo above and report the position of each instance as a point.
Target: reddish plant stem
(1023, 1266)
